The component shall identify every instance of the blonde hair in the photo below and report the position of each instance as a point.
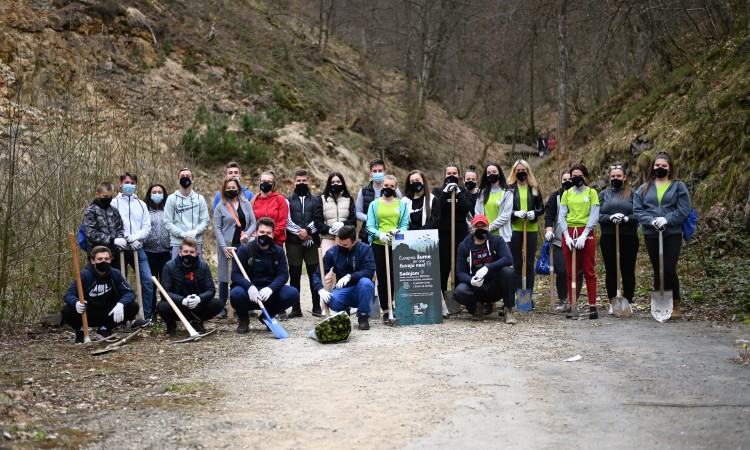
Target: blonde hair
(530, 179)
(392, 178)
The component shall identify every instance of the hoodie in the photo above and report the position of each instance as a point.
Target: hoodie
(136, 220)
(100, 292)
(183, 214)
(497, 252)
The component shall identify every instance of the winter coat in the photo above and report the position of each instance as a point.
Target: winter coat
(373, 221)
(331, 210)
(611, 202)
(550, 216)
(101, 292)
(276, 207)
(442, 215)
(358, 262)
(102, 226)
(136, 220)
(268, 267)
(173, 280)
(504, 213)
(533, 203)
(224, 228)
(183, 214)
(302, 216)
(675, 207)
(501, 257)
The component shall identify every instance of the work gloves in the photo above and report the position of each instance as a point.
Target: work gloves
(343, 281)
(252, 292)
(191, 301)
(520, 214)
(549, 235)
(191, 234)
(385, 238)
(325, 296)
(477, 282)
(531, 215)
(118, 312)
(265, 294)
(134, 243)
(659, 222)
(616, 218)
(450, 187)
(80, 307)
(569, 241)
(335, 228)
(121, 243)
(481, 273)
(581, 241)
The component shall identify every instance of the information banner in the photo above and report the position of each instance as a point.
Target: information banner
(416, 268)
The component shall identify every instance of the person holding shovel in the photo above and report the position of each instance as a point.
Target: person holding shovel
(579, 213)
(353, 264)
(109, 299)
(188, 281)
(484, 271)
(617, 209)
(663, 203)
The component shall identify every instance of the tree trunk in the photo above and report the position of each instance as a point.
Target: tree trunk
(748, 30)
(532, 51)
(562, 80)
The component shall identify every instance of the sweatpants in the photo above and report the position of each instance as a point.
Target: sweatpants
(378, 252)
(497, 285)
(205, 310)
(516, 250)
(97, 317)
(357, 296)
(444, 247)
(672, 247)
(628, 255)
(561, 278)
(281, 299)
(586, 259)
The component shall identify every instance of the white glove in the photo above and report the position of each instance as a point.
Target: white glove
(80, 307)
(395, 231)
(191, 234)
(252, 292)
(130, 239)
(335, 228)
(477, 282)
(385, 238)
(135, 245)
(191, 301)
(118, 312)
(343, 281)
(616, 218)
(581, 241)
(569, 241)
(492, 228)
(325, 296)
(520, 214)
(265, 294)
(659, 222)
(530, 215)
(121, 243)
(481, 273)
(308, 243)
(549, 235)
(450, 187)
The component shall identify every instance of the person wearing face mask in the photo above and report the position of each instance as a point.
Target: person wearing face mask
(470, 183)
(185, 213)
(233, 170)
(234, 222)
(420, 211)
(187, 279)
(371, 191)
(156, 244)
(109, 299)
(495, 201)
(354, 265)
(553, 232)
(302, 239)
(270, 203)
(266, 267)
(663, 203)
(579, 213)
(528, 206)
(483, 271)
(137, 225)
(102, 224)
(617, 208)
(386, 217)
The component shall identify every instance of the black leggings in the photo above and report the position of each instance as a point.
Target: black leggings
(516, 250)
(628, 255)
(672, 246)
(378, 252)
(444, 247)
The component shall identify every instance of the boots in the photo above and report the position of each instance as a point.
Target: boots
(510, 319)
(364, 322)
(243, 326)
(296, 312)
(593, 312)
(676, 304)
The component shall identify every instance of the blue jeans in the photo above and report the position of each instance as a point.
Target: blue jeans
(147, 286)
(358, 296)
(281, 300)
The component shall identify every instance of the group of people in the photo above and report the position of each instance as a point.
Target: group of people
(482, 222)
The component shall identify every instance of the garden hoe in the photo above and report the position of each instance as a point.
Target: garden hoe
(77, 273)
(620, 305)
(270, 322)
(117, 344)
(661, 300)
(523, 295)
(194, 335)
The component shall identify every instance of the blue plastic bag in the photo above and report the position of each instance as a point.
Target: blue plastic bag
(542, 264)
(689, 224)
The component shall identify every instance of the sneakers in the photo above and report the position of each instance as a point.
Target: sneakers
(562, 307)
(510, 319)
(317, 313)
(198, 325)
(294, 314)
(676, 306)
(593, 313)
(171, 329)
(364, 322)
(243, 326)
(222, 314)
(103, 333)
(501, 311)
(611, 311)
(477, 315)
(385, 317)
(79, 337)
(140, 323)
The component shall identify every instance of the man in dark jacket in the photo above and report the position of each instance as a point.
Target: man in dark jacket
(187, 279)
(102, 224)
(109, 299)
(354, 266)
(302, 239)
(266, 266)
(484, 271)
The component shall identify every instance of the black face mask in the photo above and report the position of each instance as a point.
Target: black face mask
(578, 181)
(301, 189)
(451, 179)
(616, 183)
(105, 202)
(493, 178)
(522, 176)
(185, 182)
(481, 234)
(264, 240)
(567, 185)
(661, 172)
(102, 267)
(231, 194)
(389, 192)
(344, 250)
(188, 260)
(417, 186)
(470, 185)
(266, 187)
(337, 188)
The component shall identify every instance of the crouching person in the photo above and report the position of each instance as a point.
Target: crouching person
(266, 266)
(109, 298)
(484, 269)
(354, 266)
(187, 279)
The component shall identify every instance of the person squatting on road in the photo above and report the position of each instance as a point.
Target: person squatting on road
(353, 264)
(579, 213)
(663, 203)
(617, 208)
(265, 264)
(109, 299)
(185, 213)
(188, 281)
(484, 271)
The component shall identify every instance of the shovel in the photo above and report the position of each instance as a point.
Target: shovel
(391, 320)
(523, 295)
(322, 276)
(574, 289)
(81, 298)
(270, 322)
(620, 305)
(194, 335)
(661, 300)
(139, 294)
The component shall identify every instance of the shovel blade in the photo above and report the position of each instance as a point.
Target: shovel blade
(523, 299)
(621, 307)
(661, 305)
(274, 325)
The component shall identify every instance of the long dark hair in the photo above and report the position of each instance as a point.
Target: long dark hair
(327, 190)
(150, 203)
(625, 183)
(408, 192)
(445, 167)
(485, 186)
(583, 170)
(652, 174)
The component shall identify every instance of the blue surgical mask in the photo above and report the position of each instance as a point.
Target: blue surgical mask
(128, 189)
(378, 177)
(157, 198)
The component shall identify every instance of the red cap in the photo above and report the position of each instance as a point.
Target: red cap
(479, 218)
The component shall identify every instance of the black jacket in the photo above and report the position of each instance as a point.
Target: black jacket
(265, 268)
(610, 203)
(101, 292)
(303, 217)
(501, 257)
(441, 216)
(173, 280)
(533, 203)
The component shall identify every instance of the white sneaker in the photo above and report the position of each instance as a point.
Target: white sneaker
(611, 312)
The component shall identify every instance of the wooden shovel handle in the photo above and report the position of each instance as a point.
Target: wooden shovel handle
(177, 311)
(388, 281)
(322, 274)
(79, 285)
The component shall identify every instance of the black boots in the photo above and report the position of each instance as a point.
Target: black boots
(364, 322)
(243, 326)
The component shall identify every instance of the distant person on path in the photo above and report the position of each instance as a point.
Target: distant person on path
(102, 224)
(551, 145)
(663, 203)
(371, 191)
(185, 213)
(273, 205)
(156, 244)
(233, 171)
(541, 145)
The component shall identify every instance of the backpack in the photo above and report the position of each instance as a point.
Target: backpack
(689, 224)
(82, 238)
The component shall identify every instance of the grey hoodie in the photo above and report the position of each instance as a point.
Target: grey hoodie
(183, 214)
